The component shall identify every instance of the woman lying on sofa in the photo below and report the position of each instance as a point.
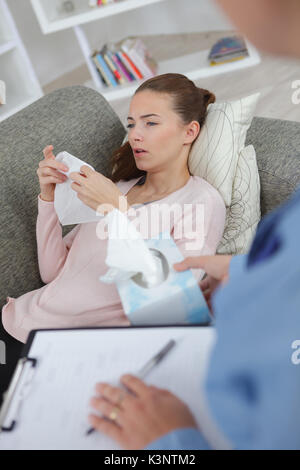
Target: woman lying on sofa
(166, 116)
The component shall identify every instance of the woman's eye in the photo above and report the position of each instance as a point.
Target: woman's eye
(130, 126)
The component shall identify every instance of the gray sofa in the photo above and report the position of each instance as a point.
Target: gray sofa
(79, 120)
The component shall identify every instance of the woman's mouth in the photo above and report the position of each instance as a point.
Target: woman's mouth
(139, 152)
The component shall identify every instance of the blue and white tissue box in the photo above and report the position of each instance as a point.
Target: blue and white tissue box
(175, 300)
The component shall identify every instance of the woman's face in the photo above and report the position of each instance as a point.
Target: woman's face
(156, 133)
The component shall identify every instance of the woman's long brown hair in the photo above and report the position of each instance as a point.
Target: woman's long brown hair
(188, 101)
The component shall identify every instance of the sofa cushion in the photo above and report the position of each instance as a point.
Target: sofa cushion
(214, 154)
(76, 119)
(277, 146)
(217, 156)
(243, 214)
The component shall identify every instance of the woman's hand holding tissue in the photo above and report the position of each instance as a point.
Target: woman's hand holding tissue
(216, 268)
(97, 191)
(140, 416)
(49, 174)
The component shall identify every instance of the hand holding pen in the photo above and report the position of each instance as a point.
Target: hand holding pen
(154, 361)
(145, 413)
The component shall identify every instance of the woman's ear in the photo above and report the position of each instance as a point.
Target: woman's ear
(192, 132)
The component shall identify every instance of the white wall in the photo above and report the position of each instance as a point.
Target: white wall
(54, 54)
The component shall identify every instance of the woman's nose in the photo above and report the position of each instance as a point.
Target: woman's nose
(136, 134)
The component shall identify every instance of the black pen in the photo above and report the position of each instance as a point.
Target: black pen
(148, 367)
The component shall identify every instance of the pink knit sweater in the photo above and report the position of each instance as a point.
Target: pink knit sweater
(70, 267)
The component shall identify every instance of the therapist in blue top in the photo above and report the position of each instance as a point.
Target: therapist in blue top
(253, 382)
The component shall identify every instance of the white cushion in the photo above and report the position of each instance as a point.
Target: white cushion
(243, 214)
(216, 155)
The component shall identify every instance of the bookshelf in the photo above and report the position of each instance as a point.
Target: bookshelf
(22, 87)
(195, 65)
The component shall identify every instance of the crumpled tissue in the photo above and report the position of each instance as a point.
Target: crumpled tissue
(69, 208)
(127, 252)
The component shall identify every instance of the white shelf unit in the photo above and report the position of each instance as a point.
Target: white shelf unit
(22, 86)
(195, 65)
(52, 18)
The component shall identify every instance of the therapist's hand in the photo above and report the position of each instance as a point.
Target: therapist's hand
(216, 268)
(139, 417)
(97, 191)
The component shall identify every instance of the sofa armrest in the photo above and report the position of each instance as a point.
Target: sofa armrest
(76, 119)
(277, 145)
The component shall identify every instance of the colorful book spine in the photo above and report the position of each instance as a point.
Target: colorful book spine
(125, 60)
(127, 72)
(133, 65)
(114, 69)
(107, 70)
(147, 73)
(114, 61)
(102, 73)
(137, 52)
(120, 63)
(101, 77)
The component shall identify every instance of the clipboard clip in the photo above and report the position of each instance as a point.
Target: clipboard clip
(20, 381)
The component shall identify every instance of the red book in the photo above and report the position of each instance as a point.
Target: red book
(117, 74)
(133, 66)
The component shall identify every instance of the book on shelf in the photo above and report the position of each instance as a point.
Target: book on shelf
(100, 3)
(125, 77)
(140, 56)
(130, 66)
(118, 61)
(117, 74)
(228, 49)
(124, 62)
(105, 52)
(100, 71)
(105, 70)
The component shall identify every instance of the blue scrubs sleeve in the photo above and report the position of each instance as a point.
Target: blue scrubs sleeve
(181, 439)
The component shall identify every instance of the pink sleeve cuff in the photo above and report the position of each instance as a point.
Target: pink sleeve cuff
(43, 204)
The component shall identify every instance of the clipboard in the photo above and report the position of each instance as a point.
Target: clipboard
(46, 405)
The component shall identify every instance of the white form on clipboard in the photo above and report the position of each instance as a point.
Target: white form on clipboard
(47, 406)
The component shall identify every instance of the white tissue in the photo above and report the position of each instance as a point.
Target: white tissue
(69, 208)
(127, 252)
